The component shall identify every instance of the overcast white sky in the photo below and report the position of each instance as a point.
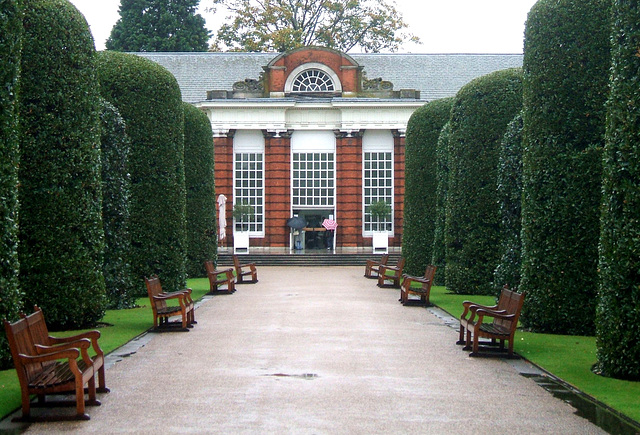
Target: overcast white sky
(444, 26)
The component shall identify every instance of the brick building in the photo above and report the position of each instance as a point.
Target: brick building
(316, 133)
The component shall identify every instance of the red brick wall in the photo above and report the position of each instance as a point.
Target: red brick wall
(277, 190)
(223, 148)
(398, 189)
(347, 71)
(349, 191)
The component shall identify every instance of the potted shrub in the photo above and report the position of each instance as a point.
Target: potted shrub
(242, 214)
(380, 211)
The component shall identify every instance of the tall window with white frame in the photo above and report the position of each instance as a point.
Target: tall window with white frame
(378, 186)
(248, 180)
(249, 189)
(313, 179)
(377, 181)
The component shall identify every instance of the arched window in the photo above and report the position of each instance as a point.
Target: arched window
(313, 80)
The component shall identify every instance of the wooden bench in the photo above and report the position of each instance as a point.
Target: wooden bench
(241, 273)
(424, 290)
(390, 273)
(163, 311)
(218, 278)
(46, 370)
(504, 315)
(41, 337)
(372, 269)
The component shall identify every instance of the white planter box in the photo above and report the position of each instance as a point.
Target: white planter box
(241, 242)
(380, 242)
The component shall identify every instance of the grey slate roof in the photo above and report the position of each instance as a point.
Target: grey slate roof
(435, 75)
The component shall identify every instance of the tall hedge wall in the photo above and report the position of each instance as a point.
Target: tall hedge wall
(201, 201)
(10, 43)
(148, 98)
(423, 131)
(479, 118)
(510, 202)
(439, 250)
(115, 146)
(566, 64)
(61, 236)
(618, 310)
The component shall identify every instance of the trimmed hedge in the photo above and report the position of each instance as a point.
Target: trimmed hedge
(115, 209)
(479, 118)
(566, 63)
(148, 98)
(201, 197)
(439, 251)
(10, 43)
(618, 309)
(510, 201)
(61, 235)
(423, 131)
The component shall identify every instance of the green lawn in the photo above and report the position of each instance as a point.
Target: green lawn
(568, 357)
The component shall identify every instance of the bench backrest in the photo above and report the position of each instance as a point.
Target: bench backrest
(400, 265)
(154, 288)
(511, 302)
(236, 263)
(430, 272)
(38, 327)
(208, 265)
(384, 259)
(21, 343)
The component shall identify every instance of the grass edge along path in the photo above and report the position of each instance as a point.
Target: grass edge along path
(122, 327)
(567, 357)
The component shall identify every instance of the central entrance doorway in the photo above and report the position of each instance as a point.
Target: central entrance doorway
(313, 237)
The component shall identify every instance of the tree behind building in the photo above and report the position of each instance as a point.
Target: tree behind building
(282, 25)
(159, 25)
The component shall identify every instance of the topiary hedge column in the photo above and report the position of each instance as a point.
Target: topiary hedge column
(115, 146)
(149, 100)
(510, 202)
(201, 200)
(423, 131)
(618, 310)
(566, 64)
(61, 236)
(439, 251)
(10, 43)
(479, 118)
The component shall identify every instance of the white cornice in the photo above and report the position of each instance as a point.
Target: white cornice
(336, 114)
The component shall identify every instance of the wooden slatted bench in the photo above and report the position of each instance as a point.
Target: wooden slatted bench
(391, 273)
(46, 370)
(219, 278)
(372, 269)
(42, 339)
(162, 311)
(504, 315)
(241, 273)
(424, 290)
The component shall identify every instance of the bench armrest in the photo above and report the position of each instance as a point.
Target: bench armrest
(420, 279)
(70, 354)
(91, 335)
(82, 344)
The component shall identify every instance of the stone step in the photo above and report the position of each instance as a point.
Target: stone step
(304, 259)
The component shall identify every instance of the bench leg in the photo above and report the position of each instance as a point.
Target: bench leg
(80, 414)
(102, 383)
